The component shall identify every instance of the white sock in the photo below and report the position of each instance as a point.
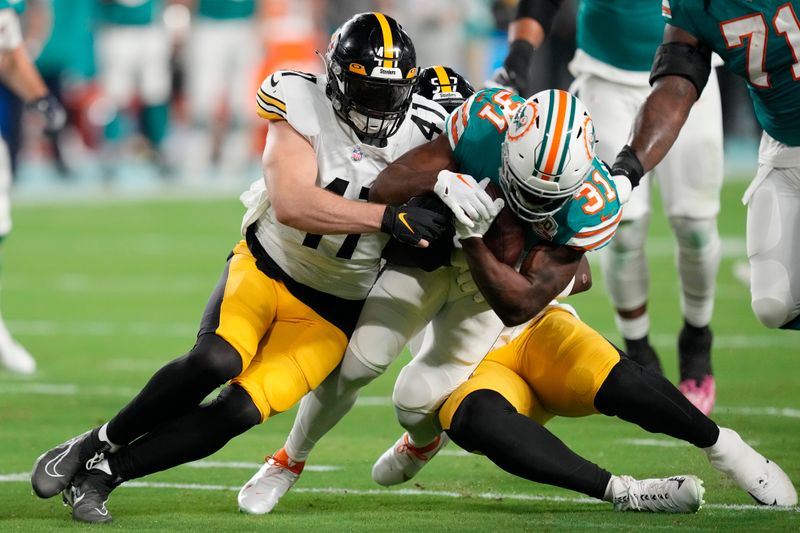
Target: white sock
(103, 436)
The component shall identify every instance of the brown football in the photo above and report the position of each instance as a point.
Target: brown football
(506, 236)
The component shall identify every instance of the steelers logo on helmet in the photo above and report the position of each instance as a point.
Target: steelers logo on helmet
(444, 86)
(372, 73)
(547, 154)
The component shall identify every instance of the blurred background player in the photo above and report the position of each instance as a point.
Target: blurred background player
(616, 43)
(134, 62)
(18, 73)
(224, 48)
(760, 42)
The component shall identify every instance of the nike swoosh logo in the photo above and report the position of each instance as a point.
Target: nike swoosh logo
(273, 81)
(402, 217)
(103, 511)
(50, 468)
(603, 218)
(461, 177)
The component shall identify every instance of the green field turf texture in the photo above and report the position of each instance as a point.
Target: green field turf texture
(104, 294)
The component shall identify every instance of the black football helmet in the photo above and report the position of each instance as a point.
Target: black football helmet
(444, 86)
(372, 72)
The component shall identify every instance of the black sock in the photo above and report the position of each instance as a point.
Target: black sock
(195, 435)
(486, 422)
(177, 387)
(653, 403)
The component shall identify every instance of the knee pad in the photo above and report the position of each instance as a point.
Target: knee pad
(624, 265)
(421, 389)
(213, 358)
(771, 311)
(235, 409)
(771, 292)
(699, 254)
(695, 233)
(353, 373)
(478, 414)
(630, 236)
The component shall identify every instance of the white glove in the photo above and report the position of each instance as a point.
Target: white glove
(463, 195)
(623, 185)
(467, 285)
(480, 225)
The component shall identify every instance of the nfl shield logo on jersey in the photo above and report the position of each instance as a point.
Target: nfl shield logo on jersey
(357, 154)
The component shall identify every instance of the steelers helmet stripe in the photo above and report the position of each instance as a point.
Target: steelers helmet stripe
(444, 79)
(388, 40)
(546, 140)
(267, 99)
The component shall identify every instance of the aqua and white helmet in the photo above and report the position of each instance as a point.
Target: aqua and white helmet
(547, 154)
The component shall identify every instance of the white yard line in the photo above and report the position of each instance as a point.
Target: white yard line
(250, 466)
(25, 476)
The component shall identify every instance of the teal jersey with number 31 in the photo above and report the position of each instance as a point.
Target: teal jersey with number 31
(759, 40)
(476, 131)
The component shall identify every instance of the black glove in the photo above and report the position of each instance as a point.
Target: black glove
(55, 116)
(516, 73)
(409, 224)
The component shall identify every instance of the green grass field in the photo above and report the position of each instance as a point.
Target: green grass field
(104, 294)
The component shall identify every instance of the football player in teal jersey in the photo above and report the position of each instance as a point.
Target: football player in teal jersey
(759, 40)
(541, 153)
(616, 43)
(20, 75)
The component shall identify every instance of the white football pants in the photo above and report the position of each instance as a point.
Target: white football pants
(689, 179)
(773, 236)
(458, 334)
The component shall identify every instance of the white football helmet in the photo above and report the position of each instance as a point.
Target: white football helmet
(547, 154)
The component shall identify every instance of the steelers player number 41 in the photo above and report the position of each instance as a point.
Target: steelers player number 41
(312, 240)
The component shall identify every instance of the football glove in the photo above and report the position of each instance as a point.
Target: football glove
(623, 186)
(410, 224)
(461, 193)
(482, 224)
(516, 74)
(55, 116)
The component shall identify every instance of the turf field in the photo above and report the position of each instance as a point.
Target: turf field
(103, 294)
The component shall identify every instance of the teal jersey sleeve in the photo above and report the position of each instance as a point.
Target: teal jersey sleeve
(476, 131)
(759, 40)
(588, 220)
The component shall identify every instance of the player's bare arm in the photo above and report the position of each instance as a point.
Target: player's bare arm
(517, 297)
(681, 69)
(290, 171)
(18, 72)
(413, 173)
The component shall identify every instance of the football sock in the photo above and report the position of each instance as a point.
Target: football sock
(633, 328)
(698, 258)
(176, 388)
(422, 428)
(195, 435)
(488, 423)
(694, 352)
(103, 436)
(323, 407)
(650, 401)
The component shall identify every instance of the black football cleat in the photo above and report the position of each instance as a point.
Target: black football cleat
(55, 468)
(642, 352)
(88, 494)
(694, 365)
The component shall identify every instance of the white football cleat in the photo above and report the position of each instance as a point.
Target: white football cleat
(762, 479)
(262, 493)
(677, 494)
(16, 358)
(402, 461)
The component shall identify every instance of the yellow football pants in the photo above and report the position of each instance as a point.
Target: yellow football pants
(553, 368)
(287, 349)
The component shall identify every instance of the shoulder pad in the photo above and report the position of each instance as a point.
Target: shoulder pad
(290, 95)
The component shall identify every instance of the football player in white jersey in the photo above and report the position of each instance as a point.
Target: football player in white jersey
(616, 43)
(280, 318)
(19, 73)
